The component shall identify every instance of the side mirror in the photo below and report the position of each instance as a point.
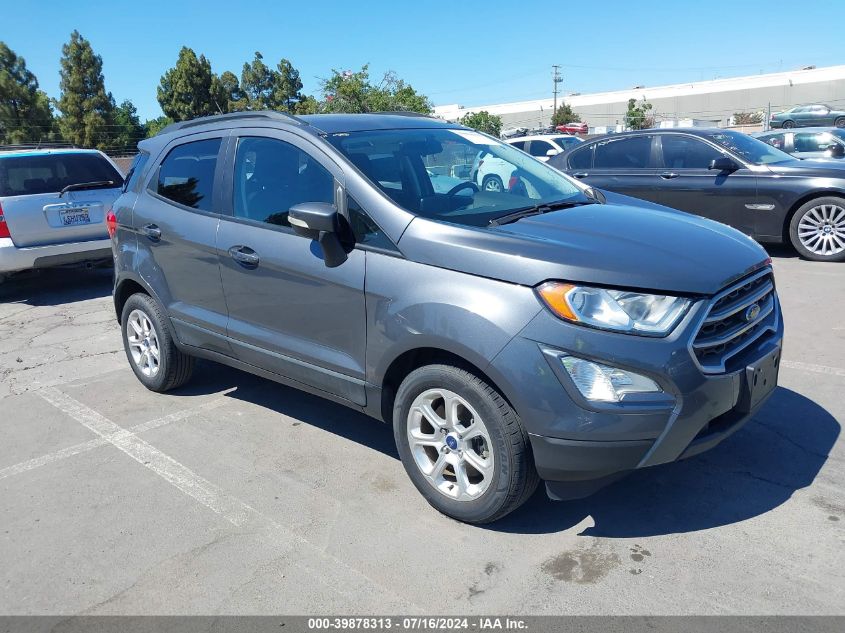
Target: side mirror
(836, 150)
(723, 164)
(319, 221)
(552, 152)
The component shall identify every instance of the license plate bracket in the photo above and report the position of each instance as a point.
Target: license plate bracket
(761, 378)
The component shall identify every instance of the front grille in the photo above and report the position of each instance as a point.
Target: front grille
(731, 325)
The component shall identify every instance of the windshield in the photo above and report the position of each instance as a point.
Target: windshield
(454, 175)
(752, 150)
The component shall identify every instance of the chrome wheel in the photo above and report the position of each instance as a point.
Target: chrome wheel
(493, 184)
(822, 229)
(143, 343)
(450, 444)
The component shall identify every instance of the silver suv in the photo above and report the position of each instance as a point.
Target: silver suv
(54, 206)
(545, 332)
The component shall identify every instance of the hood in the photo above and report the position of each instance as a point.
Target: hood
(601, 244)
(824, 168)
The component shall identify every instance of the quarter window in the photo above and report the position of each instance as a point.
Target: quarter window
(271, 176)
(685, 152)
(135, 171)
(626, 153)
(186, 175)
(581, 158)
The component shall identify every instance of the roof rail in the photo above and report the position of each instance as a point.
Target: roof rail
(234, 116)
(38, 145)
(404, 113)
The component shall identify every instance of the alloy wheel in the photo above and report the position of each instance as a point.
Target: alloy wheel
(450, 444)
(822, 229)
(143, 343)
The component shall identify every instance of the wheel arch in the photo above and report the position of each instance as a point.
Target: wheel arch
(804, 199)
(411, 359)
(127, 286)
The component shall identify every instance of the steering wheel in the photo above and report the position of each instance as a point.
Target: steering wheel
(463, 185)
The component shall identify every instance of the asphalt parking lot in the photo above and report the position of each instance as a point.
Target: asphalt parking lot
(237, 495)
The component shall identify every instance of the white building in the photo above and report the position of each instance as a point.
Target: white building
(713, 102)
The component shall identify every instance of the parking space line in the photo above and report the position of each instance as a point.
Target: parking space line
(232, 509)
(90, 445)
(816, 369)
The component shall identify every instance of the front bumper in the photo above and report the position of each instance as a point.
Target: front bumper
(580, 445)
(14, 258)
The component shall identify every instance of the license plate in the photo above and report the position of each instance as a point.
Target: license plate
(72, 217)
(761, 378)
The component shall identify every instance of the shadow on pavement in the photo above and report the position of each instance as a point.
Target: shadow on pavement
(753, 471)
(55, 286)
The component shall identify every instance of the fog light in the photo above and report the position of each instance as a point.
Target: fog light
(605, 384)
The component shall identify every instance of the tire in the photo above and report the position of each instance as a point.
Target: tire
(840, 122)
(173, 368)
(492, 183)
(817, 230)
(788, 125)
(500, 445)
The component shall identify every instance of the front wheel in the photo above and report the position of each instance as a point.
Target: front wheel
(150, 347)
(817, 230)
(462, 445)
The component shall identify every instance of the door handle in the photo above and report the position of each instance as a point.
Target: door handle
(244, 255)
(580, 174)
(152, 231)
(668, 175)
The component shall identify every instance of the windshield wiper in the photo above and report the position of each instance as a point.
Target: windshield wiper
(537, 209)
(86, 185)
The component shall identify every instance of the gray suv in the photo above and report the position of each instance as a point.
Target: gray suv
(538, 333)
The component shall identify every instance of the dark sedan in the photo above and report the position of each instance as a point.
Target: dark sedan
(816, 114)
(726, 176)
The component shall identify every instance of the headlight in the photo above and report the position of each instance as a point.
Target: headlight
(617, 310)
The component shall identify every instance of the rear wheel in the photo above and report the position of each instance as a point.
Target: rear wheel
(840, 122)
(788, 124)
(150, 347)
(492, 183)
(817, 230)
(462, 445)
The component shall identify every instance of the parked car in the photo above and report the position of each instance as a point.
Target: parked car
(542, 147)
(53, 206)
(726, 176)
(508, 337)
(813, 142)
(813, 115)
(575, 127)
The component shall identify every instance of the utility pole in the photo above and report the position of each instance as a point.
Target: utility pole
(556, 79)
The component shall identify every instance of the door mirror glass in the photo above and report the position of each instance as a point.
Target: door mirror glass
(552, 152)
(836, 150)
(723, 164)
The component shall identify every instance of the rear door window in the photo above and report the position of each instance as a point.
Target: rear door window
(581, 158)
(50, 173)
(812, 141)
(686, 152)
(623, 153)
(186, 175)
(539, 148)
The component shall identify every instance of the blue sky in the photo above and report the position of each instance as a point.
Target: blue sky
(464, 52)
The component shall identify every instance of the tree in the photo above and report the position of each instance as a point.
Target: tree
(25, 113)
(128, 129)
(258, 81)
(483, 122)
(230, 88)
(86, 108)
(287, 87)
(747, 118)
(154, 126)
(353, 92)
(190, 89)
(306, 105)
(564, 114)
(638, 117)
